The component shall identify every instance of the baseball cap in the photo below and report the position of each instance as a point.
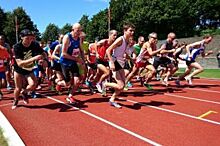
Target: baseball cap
(26, 32)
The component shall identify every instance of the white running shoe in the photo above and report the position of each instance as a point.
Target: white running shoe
(99, 88)
(189, 80)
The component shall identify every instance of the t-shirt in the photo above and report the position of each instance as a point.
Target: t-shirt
(137, 48)
(85, 47)
(24, 53)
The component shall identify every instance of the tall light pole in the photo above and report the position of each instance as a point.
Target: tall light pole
(16, 28)
(109, 16)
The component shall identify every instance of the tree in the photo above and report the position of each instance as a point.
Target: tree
(51, 33)
(66, 28)
(98, 26)
(84, 21)
(24, 22)
(2, 20)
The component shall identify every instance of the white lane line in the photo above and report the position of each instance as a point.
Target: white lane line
(2, 105)
(9, 132)
(185, 97)
(109, 123)
(174, 112)
(212, 91)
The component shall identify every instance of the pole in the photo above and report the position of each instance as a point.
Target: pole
(109, 17)
(16, 28)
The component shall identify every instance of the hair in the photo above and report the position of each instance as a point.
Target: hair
(111, 32)
(2, 36)
(128, 25)
(207, 36)
(152, 35)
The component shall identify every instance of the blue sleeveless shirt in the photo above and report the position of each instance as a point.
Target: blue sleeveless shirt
(72, 50)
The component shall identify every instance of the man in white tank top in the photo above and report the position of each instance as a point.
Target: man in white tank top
(116, 62)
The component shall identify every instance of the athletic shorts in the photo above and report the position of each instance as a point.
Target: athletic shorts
(56, 67)
(141, 64)
(68, 70)
(117, 66)
(92, 65)
(188, 63)
(128, 65)
(99, 61)
(161, 61)
(2, 75)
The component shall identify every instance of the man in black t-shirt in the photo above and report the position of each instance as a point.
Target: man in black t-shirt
(26, 52)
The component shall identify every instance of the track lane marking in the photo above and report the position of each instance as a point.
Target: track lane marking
(207, 113)
(174, 112)
(213, 91)
(109, 123)
(191, 98)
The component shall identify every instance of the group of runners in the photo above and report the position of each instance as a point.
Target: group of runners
(110, 63)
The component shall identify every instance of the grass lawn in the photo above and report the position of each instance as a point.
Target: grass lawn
(3, 141)
(207, 73)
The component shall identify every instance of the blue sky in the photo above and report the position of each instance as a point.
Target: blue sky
(59, 12)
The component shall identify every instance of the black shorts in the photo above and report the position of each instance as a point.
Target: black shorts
(128, 65)
(92, 65)
(68, 70)
(56, 67)
(99, 61)
(163, 61)
(117, 66)
(188, 63)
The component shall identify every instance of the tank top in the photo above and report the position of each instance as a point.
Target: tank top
(143, 53)
(102, 50)
(196, 51)
(118, 53)
(72, 50)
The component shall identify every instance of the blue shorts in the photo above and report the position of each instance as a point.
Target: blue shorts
(2, 75)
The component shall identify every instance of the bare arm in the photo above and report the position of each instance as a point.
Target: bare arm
(56, 50)
(22, 63)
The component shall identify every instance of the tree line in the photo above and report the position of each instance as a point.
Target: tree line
(184, 17)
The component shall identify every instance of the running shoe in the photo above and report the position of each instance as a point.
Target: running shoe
(129, 84)
(9, 88)
(126, 88)
(177, 82)
(148, 86)
(25, 98)
(115, 104)
(189, 80)
(33, 95)
(15, 104)
(99, 88)
(71, 100)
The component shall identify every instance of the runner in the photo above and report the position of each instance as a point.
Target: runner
(26, 53)
(193, 50)
(7, 61)
(4, 55)
(166, 59)
(148, 50)
(70, 56)
(101, 60)
(117, 62)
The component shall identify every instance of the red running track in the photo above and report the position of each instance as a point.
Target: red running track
(167, 116)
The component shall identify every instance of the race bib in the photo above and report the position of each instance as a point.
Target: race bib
(76, 52)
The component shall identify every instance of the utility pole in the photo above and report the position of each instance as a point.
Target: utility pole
(109, 16)
(16, 28)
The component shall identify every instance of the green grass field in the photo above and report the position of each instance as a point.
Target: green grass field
(3, 141)
(208, 73)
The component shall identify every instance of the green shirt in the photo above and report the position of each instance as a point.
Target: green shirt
(137, 49)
